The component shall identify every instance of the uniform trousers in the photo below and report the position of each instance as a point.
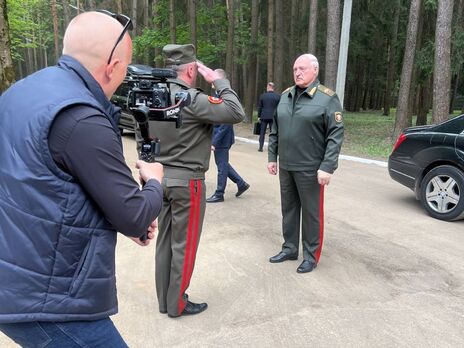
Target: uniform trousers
(180, 224)
(302, 196)
(262, 131)
(225, 170)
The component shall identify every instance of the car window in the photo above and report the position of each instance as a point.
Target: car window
(453, 126)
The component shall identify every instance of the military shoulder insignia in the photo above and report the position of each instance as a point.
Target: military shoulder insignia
(338, 117)
(312, 91)
(287, 90)
(215, 100)
(326, 90)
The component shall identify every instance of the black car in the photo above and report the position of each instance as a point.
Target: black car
(135, 73)
(430, 161)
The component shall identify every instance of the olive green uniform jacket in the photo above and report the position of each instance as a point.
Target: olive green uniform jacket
(307, 133)
(188, 148)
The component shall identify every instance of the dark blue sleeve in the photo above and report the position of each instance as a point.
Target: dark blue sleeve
(219, 133)
(90, 150)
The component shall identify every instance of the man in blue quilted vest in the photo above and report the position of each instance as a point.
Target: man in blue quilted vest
(65, 191)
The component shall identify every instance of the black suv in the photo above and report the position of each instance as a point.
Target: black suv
(134, 73)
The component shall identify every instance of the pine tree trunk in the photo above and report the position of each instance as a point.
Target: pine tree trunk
(279, 49)
(156, 26)
(403, 118)
(172, 22)
(7, 73)
(230, 40)
(293, 23)
(392, 60)
(252, 64)
(135, 23)
(312, 27)
(333, 43)
(119, 5)
(55, 29)
(193, 21)
(92, 5)
(442, 70)
(424, 104)
(66, 13)
(270, 40)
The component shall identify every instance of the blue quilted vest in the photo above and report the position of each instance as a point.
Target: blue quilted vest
(57, 249)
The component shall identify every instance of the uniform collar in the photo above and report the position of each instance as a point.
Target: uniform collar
(179, 82)
(310, 90)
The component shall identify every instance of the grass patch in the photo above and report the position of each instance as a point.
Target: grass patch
(368, 134)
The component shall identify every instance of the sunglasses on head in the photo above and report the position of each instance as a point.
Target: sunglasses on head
(126, 23)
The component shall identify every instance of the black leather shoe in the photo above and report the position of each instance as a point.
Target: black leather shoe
(260, 150)
(306, 266)
(215, 199)
(192, 308)
(281, 257)
(242, 189)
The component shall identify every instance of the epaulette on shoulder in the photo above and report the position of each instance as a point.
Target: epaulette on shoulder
(326, 90)
(287, 90)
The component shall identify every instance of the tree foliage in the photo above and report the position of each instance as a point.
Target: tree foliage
(374, 69)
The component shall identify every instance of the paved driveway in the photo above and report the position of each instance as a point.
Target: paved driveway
(389, 276)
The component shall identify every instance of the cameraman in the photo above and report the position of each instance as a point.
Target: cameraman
(185, 154)
(65, 190)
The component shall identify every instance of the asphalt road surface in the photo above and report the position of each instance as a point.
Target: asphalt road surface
(389, 275)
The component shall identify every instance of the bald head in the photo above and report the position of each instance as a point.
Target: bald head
(305, 70)
(90, 38)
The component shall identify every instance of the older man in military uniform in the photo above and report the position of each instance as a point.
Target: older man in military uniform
(306, 136)
(185, 154)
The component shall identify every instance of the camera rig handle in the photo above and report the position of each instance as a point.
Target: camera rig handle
(150, 147)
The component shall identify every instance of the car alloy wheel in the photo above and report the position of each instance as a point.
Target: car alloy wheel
(442, 193)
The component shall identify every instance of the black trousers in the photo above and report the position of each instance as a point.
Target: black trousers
(262, 133)
(302, 199)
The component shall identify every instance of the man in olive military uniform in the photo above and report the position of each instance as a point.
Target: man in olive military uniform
(185, 153)
(306, 136)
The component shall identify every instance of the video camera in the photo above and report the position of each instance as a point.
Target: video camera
(149, 99)
(151, 89)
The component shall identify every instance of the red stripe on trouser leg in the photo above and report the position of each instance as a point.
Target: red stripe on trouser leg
(196, 226)
(321, 223)
(188, 247)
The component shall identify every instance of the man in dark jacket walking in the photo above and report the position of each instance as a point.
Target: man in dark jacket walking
(267, 105)
(65, 191)
(223, 139)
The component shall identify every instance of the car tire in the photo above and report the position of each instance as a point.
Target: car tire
(442, 193)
